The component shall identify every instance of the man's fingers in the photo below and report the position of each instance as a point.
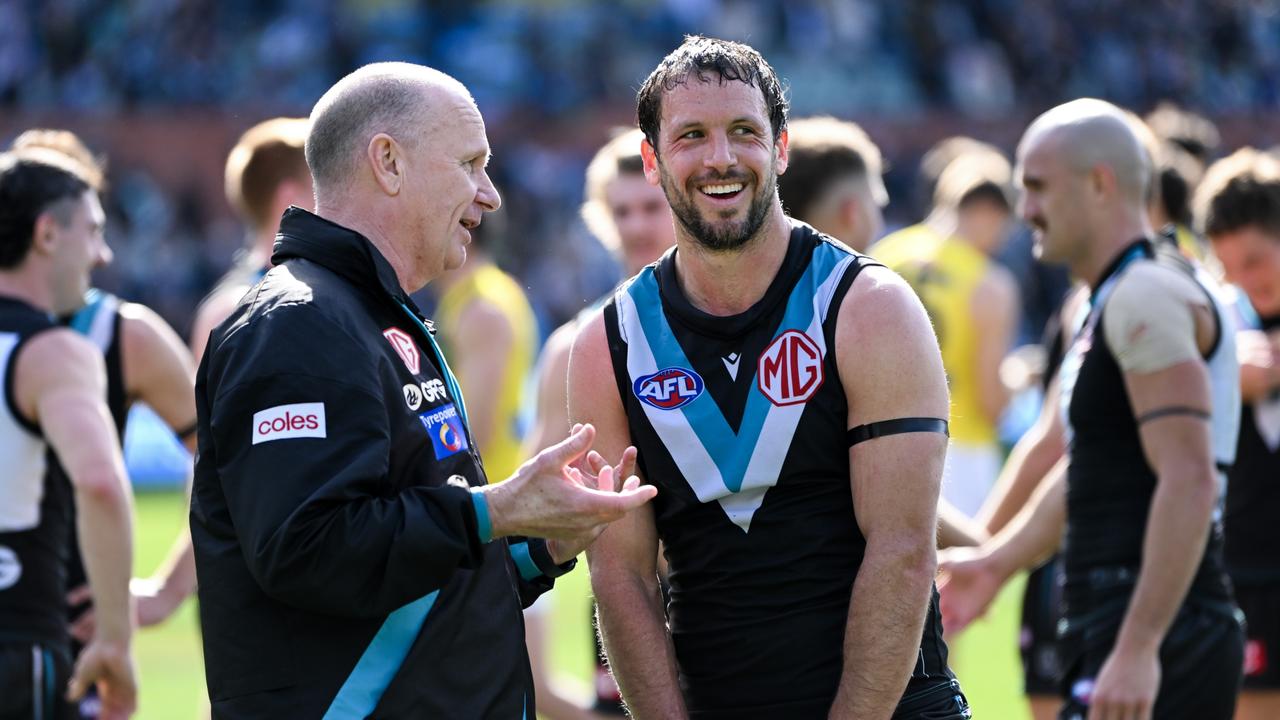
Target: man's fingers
(571, 448)
(79, 594)
(631, 483)
(595, 462)
(83, 628)
(626, 467)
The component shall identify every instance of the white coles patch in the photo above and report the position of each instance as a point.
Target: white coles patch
(299, 420)
(790, 369)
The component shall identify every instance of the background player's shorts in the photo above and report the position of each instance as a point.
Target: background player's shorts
(1261, 606)
(1038, 637)
(1200, 661)
(969, 474)
(33, 681)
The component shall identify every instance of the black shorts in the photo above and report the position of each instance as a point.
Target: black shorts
(1038, 639)
(1200, 662)
(1261, 606)
(33, 679)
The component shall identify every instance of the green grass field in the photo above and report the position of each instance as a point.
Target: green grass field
(173, 682)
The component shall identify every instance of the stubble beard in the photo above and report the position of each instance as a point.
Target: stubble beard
(718, 237)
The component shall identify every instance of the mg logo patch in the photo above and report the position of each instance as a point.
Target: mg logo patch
(790, 369)
(669, 388)
(404, 347)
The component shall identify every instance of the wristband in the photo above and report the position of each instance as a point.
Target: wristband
(484, 526)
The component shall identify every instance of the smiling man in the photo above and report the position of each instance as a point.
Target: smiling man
(351, 557)
(786, 395)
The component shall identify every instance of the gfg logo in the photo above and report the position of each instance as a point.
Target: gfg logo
(432, 390)
(790, 369)
(669, 388)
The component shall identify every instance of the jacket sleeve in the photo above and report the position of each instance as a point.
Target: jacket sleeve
(537, 570)
(302, 442)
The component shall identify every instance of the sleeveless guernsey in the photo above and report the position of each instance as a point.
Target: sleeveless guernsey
(740, 422)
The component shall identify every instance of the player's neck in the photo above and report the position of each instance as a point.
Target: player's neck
(26, 286)
(728, 283)
(1108, 246)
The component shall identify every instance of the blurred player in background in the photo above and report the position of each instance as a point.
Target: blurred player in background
(833, 180)
(1239, 210)
(632, 219)
(973, 303)
(145, 362)
(266, 173)
(1150, 403)
(63, 473)
(489, 332)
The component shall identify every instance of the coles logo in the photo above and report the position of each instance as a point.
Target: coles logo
(404, 347)
(790, 369)
(299, 420)
(669, 388)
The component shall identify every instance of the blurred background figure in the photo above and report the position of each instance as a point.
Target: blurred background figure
(833, 180)
(1238, 207)
(631, 218)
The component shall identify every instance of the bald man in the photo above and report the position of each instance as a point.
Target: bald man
(353, 561)
(1150, 405)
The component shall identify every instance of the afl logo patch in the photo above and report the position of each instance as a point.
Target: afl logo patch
(669, 388)
(790, 369)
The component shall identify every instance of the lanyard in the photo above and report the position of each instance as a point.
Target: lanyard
(449, 380)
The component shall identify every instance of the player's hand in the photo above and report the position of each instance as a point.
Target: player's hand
(1126, 686)
(110, 667)
(549, 497)
(967, 584)
(152, 604)
(593, 471)
(83, 628)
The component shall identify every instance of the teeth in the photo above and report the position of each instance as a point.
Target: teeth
(722, 189)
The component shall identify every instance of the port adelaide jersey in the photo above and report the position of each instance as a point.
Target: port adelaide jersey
(740, 422)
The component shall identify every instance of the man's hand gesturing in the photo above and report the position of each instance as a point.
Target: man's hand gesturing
(566, 495)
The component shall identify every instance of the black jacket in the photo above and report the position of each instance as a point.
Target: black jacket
(341, 567)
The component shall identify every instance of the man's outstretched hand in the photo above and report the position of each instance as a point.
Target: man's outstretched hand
(566, 495)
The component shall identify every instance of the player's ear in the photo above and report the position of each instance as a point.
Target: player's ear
(780, 150)
(45, 233)
(386, 161)
(649, 157)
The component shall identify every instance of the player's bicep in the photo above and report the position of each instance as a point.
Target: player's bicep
(158, 368)
(893, 379)
(1173, 410)
(65, 379)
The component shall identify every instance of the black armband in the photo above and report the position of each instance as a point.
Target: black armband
(874, 430)
(1173, 410)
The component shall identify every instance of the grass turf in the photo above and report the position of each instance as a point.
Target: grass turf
(172, 674)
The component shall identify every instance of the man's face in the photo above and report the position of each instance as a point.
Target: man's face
(448, 185)
(1052, 201)
(1251, 258)
(80, 246)
(716, 161)
(986, 224)
(642, 218)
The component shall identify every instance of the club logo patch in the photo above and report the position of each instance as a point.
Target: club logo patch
(790, 369)
(299, 420)
(669, 388)
(444, 427)
(413, 396)
(404, 347)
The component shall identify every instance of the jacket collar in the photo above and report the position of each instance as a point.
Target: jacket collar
(342, 250)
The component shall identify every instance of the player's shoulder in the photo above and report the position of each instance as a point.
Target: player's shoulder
(882, 309)
(1147, 287)
(57, 356)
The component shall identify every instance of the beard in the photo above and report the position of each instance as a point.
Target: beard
(725, 235)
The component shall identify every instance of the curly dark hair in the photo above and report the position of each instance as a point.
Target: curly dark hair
(710, 59)
(1244, 201)
(33, 182)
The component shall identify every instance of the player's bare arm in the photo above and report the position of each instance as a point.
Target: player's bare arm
(891, 369)
(995, 312)
(60, 383)
(1150, 324)
(624, 574)
(480, 354)
(159, 371)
